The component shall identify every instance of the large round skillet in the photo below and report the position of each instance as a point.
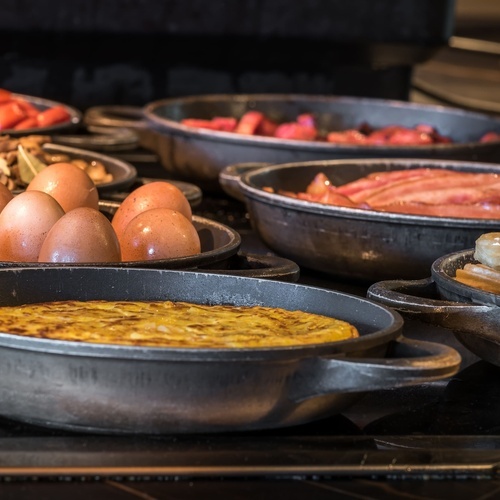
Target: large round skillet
(199, 155)
(472, 314)
(157, 390)
(349, 242)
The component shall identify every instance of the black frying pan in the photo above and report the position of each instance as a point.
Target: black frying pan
(105, 388)
(351, 243)
(199, 155)
(472, 314)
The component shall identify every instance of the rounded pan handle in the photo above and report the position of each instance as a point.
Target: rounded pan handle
(415, 296)
(115, 116)
(409, 362)
(261, 266)
(229, 177)
(100, 139)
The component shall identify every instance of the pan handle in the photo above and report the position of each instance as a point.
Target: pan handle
(115, 116)
(411, 362)
(229, 177)
(417, 298)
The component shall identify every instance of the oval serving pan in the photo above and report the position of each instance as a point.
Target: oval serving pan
(352, 243)
(106, 388)
(42, 104)
(124, 174)
(200, 155)
(472, 314)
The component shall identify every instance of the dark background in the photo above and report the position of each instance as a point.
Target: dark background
(91, 52)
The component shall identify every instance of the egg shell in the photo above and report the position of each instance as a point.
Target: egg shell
(5, 196)
(158, 194)
(24, 224)
(68, 184)
(159, 233)
(82, 235)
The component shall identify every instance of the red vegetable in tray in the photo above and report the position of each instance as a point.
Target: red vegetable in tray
(421, 191)
(304, 128)
(19, 114)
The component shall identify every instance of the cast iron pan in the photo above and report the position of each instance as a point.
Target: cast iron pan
(200, 155)
(472, 314)
(58, 128)
(351, 243)
(105, 388)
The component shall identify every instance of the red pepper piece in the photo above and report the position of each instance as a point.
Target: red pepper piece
(29, 122)
(295, 131)
(199, 123)
(266, 127)
(382, 135)
(307, 120)
(407, 136)
(490, 137)
(225, 123)
(53, 115)
(249, 123)
(5, 95)
(351, 136)
(28, 108)
(10, 115)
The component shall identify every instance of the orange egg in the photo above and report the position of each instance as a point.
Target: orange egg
(5, 196)
(159, 233)
(158, 194)
(68, 184)
(24, 223)
(81, 235)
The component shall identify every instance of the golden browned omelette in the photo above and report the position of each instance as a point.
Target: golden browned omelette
(172, 324)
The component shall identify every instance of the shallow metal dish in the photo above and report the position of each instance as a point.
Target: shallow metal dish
(105, 388)
(124, 174)
(472, 314)
(42, 104)
(347, 242)
(199, 155)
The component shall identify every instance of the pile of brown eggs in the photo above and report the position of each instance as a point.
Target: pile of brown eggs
(57, 219)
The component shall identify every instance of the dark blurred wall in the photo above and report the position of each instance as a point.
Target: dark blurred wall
(89, 52)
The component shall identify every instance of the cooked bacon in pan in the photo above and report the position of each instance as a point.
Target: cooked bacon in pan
(421, 191)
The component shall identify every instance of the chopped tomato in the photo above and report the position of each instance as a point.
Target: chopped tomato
(51, 116)
(10, 115)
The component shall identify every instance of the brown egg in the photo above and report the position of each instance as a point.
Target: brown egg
(81, 235)
(158, 194)
(5, 196)
(68, 184)
(24, 223)
(159, 233)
